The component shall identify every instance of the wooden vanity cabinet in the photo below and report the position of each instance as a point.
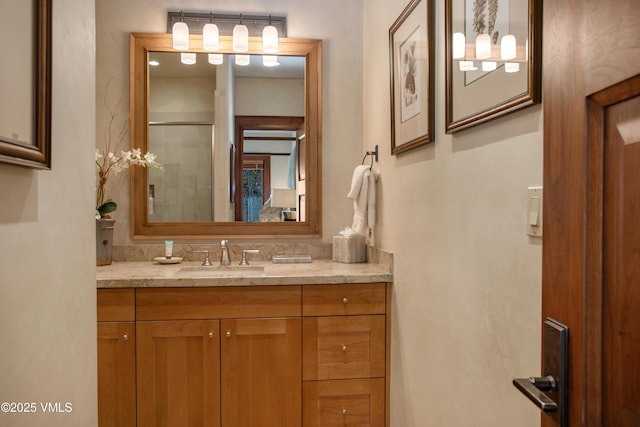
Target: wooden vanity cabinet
(252, 356)
(116, 358)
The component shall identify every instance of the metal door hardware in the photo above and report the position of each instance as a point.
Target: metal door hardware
(549, 392)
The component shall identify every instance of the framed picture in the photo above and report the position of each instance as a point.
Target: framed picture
(25, 84)
(411, 58)
(493, 60)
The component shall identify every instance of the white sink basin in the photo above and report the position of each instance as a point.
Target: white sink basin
(229, 270)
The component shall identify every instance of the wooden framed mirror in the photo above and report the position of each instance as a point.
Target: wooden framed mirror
(206, 207)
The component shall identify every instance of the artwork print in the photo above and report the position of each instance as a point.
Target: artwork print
(410, 76)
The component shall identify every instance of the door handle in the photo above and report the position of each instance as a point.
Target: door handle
(549, 393)
(533, 388)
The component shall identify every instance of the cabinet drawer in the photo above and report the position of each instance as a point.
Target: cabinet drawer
(116, 305)
(217, 303)
(334, 300)
(344, 403)
(343, 347)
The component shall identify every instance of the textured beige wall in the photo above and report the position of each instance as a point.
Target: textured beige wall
(466, 308)
(47, 262)
(342, 81)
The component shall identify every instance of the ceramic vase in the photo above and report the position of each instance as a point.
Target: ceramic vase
(104, 240)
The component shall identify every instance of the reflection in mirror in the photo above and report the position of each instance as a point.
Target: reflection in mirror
(231, 139)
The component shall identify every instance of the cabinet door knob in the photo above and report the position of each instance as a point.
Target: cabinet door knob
(125, 337)
(211, 334)
(344, 348)
(345, 300)
(228, 334)
(344, 411)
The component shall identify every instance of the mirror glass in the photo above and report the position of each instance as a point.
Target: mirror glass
(239, 144)
(188, 109)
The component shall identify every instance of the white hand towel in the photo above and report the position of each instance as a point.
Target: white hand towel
(359, 225)
(371, 201)
(356, 181)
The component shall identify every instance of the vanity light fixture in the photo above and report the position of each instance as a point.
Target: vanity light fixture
(213, 25)
(154, 63)
(240, 37)
(484, 51)
(180, 32)
(270, 38)
(210, 36)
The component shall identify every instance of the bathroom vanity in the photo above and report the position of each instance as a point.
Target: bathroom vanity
(290, 345)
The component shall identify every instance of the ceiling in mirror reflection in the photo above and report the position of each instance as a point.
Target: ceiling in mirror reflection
(170, 66)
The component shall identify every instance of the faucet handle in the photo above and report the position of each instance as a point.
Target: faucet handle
(244, 255)
(206, 261)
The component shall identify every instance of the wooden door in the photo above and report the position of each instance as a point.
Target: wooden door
(178, 373)
(261, 372)
(116, 374)
(591, 243)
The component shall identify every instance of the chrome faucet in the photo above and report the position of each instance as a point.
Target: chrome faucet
(225, 258)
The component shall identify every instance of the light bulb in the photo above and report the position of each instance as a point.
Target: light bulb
(459, 47)
(216, 58)
(180, 32)
(188, 58)
(240, 38)
(242, 59)
(270, 39)
(210, 37)
(508, 47)
(483, 46)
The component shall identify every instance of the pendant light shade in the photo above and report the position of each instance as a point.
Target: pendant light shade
(270, 60)
(180, 32)
(483, 46)
(188, 58)
(508, 47)
(270, 39)
(216, 58)
(210, 37)
(240, 38)
(243, 59)
(459, 47)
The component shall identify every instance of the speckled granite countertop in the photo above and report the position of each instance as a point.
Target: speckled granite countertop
(149, 274)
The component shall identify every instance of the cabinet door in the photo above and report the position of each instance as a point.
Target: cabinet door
(261, 372)
(116, 374)
(178, 373)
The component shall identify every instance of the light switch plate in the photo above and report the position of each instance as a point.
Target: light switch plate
(534, 211)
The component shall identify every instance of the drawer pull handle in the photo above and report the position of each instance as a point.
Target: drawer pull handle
(210, 334)
(228, 334)
(125, 337)
(345, 300)
(344, 411)
(344, 348)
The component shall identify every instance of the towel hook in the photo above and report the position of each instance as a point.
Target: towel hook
(373, 154)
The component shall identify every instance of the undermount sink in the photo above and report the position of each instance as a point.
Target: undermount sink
(228, 270)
